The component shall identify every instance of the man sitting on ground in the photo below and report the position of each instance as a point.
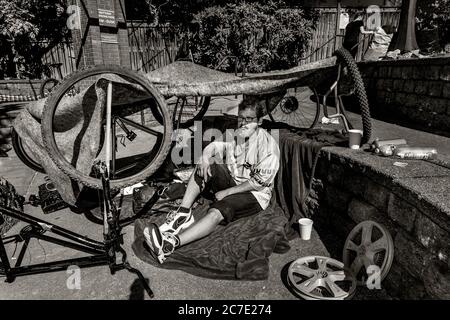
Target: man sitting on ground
(242, 186)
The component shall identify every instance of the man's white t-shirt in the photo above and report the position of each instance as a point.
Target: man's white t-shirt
(257, 160)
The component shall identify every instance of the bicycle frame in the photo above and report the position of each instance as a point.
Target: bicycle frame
(338, 101)
(101, 253)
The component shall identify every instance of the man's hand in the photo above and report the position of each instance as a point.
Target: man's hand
(203, 169)
(222, 194)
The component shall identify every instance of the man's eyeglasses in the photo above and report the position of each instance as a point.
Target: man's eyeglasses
(247, 119)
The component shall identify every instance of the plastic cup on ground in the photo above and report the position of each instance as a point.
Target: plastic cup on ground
(354, 140)
(305, 227)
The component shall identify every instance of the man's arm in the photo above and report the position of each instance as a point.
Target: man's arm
(213, 150)
(243, 187)
(364, 31)
(212, 153)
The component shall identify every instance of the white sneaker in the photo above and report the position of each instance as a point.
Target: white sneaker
(177, 221)
(161, 244)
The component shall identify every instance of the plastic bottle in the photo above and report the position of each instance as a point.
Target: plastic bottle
(385, 150)
(377, 143)
(422, 153)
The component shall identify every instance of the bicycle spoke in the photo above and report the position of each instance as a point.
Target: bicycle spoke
(300, 119)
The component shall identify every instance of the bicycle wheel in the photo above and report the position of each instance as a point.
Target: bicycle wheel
(47, 86)
(23, 154)
(300, 107)
(346, 58)
(139, 123)
(187, 110)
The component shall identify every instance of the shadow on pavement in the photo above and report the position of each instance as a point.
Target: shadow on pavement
(137, 291)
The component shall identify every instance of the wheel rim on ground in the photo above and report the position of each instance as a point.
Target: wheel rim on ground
(321, 278)
(368, 244)
(299, 108)
(142, 165)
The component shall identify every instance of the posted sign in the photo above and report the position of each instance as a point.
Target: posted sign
(108, 38)
(106, 18)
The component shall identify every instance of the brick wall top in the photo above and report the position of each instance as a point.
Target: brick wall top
(19, 81)
(23, 87)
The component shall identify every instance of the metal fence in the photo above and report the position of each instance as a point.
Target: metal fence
(62, 54)
(151, 47)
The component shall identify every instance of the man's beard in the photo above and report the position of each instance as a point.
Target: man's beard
(246, 130)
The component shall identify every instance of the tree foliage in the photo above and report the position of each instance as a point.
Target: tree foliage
(263, 36)
(27, 29)
(184, 11)
(434, 14)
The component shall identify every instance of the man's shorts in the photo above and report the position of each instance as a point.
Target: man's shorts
(234, 206)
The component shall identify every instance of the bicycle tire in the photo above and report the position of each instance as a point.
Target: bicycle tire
(50, 143)
(315, 117)
(18, 147)
(360, 91)
(45, 83)
(198, 116)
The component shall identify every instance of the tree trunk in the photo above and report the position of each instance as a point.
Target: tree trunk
(405, 37)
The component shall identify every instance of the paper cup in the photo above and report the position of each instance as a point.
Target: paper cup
(305, 227)
(354, 140)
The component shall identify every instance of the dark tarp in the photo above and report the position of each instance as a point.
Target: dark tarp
(299, 155)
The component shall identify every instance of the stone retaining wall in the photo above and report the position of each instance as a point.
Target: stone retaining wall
(347, 191)
(412, 92)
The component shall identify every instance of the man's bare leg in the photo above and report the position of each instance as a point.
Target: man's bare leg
(202, 227)
(192, 192)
